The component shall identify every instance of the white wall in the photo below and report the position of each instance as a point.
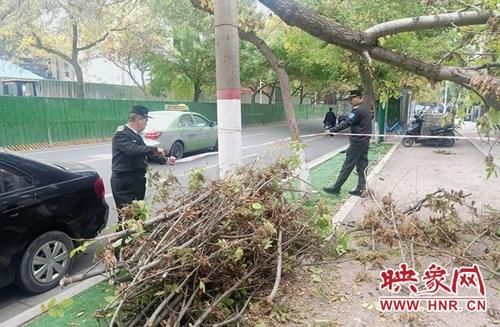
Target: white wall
(100, 70)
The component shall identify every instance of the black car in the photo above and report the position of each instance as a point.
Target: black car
(44, 206)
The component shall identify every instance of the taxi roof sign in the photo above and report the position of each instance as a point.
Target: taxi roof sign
(176, 107)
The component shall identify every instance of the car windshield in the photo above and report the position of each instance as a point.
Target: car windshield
(160, 120)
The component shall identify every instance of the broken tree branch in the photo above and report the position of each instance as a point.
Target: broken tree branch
(278, 270)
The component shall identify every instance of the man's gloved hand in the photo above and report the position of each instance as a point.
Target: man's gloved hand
(171, 160)
(159, 158)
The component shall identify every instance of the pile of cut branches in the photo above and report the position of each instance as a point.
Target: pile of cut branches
(202, 262)
(444, 231)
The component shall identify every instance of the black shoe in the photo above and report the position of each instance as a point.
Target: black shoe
(356, 192)
(331, 190)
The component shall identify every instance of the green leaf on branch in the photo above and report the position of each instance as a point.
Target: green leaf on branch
(256, 206)
(80, 249)
(196, 178)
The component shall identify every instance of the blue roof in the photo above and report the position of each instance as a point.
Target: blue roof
(12, 71)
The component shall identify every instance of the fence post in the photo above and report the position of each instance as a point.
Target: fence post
(49, 134)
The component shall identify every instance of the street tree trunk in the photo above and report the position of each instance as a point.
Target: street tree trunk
(254, 96)
(197, 92)
(255, 90)
(73, 59)
(284, 81)
(302, 95)
(270, 96)
(80, 85)
(227, 54)
(363, 42)
(367, 83)
(368, 90)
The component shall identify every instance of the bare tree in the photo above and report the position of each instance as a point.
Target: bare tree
(66, 29)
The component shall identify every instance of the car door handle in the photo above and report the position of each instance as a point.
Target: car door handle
(12, 211)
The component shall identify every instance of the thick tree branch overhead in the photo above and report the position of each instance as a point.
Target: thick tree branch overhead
(329, 31)
(38, 44)
(93, 44)
(425, 22)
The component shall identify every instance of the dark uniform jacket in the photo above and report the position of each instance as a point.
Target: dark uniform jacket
(360, 121)
(130, 153)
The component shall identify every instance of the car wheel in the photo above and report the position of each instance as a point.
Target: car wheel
(408, 142)
(177, 150)
(45, 262)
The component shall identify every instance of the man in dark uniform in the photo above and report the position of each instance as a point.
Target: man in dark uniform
(360, 121)
(130, 158)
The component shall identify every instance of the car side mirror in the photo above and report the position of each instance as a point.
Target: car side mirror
(212, 124)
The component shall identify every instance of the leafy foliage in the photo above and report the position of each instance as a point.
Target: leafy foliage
(188, 59)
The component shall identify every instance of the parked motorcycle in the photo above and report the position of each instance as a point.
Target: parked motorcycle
(415, 129)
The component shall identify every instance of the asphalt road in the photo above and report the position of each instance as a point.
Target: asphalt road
(260, 144)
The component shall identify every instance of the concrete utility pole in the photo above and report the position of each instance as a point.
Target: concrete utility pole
(227, 54)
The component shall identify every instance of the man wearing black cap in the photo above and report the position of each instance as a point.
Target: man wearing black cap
(130, 158)
(360, 121)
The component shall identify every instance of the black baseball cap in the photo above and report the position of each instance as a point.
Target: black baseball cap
(353, 94)
(141, 111)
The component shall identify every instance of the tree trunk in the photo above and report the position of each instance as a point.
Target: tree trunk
(144, 87)
(302, 95)
(284, 81)
(197, 92)
(271, 94)
(80, 86)
(368, 91)
(254, 95)
(367, 82)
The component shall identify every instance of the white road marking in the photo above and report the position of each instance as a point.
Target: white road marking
(251, 135)
(262, 144)
(196, 157)
(315, 138)
(97, 157)
(216, 165)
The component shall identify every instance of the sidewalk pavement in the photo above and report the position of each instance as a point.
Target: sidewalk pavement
(411, 173)
(469, 129)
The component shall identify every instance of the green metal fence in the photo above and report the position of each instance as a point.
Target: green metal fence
(29, 120)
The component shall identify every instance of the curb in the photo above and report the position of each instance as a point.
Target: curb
(346, 208)
(26, 316)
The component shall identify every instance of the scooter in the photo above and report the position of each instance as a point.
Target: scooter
(415, 129)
